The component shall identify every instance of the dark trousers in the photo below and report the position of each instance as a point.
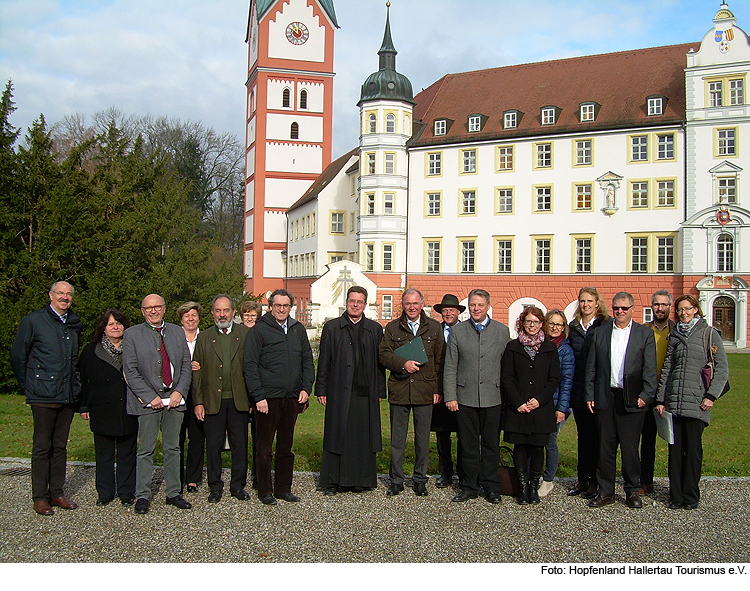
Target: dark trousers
(685, 460)
(399, 429)
(479, 436)
(648, 448)
(191, 467)
(588, 443)
(529, 455)
(111, 480)
(49, 453)
(618, 426)
(279, 423)
(445, 459)
(232, 422)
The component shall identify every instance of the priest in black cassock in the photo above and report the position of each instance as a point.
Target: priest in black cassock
(350, 384)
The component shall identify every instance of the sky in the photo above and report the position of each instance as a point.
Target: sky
(187, 59)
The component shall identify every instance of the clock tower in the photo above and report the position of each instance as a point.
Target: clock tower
(289, 124)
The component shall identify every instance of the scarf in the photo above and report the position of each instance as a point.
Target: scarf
(114, 353)
(557, 340)
(530, 343)
(686, 327)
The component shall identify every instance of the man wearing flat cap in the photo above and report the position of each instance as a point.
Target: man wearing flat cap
(443, 420)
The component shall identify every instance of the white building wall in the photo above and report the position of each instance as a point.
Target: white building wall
(315, 95)
(283, 193)
(274, 226)
(313, 50)
(273, 264)
(278, 127)
(297, 158)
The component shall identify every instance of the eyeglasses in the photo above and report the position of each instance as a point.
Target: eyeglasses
(152, 308)
(356, 302)
(531, 322)
(660, 305)
(687, 309)
(555, 325)
(63, 293)
(621, 308)
(282, 306)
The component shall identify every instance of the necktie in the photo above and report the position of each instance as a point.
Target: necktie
(225, 330)
(480, 327)
(414, 327)
(166, 370)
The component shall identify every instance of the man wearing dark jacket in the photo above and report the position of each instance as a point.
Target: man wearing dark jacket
(279, 375)
(412, 387)
(350, 384)
(44, 357)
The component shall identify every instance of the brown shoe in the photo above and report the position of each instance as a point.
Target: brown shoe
(63, 503)
(600, 501)
(633, 500)
(645, 489)
(43, 508)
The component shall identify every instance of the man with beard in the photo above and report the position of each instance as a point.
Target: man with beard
(220, 397)
(350, 384)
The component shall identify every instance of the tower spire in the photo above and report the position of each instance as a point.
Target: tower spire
(387, 51)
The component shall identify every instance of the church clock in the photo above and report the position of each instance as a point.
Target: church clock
(297, 33)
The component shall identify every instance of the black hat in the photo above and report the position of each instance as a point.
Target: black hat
(449, 301)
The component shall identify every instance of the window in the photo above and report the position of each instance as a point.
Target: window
(388, 200)
(294, 131)
(467, 256)
(312, 224)
(440, 127)
(639, 194)
(510, 120)
(475, 123)
(335, 258)
(665, 194)
(543, 199)
(583, 196)
(433, 257)
(726, 142)
(390, 164)
(583, 255)
(387, 307)
(369, 257)
(469, 161)
(371, 164)
(639, 255)
(468, 202)
(736, 92)
(337, 222)
(543, 155)
(587, 112)
(639, 148)
(390, 123)
(504, 256)
(665, 254)
(727, 190)
(352, 221)
(433, 204)
(583, 152)
(434, 164)
(655, 106)
(388, 257)
(714, 94)
(373, 123)
(286, 98)
(543, 255)
(724, 254)
(303, 99)
(505, 158)
(548, 116)
(505, 201)
(370, 204)
(665, 146)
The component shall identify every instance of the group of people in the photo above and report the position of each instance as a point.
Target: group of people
(202, 389)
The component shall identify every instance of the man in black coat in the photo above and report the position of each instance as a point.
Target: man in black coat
(350, 384)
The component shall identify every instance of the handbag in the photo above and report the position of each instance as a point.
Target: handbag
(507, 473)
(707, 371)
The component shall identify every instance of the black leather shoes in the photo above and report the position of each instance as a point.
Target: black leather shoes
(240, 495)
(127, 501)
(179, 502)
(214, 496)
(674, 505)
(464, 495)
(691, 506)
(600, 501)
(444, 481)
(592, 491)
(633, 500)
(192, 488)
(493, 497)
(103, 502)
(268, 500)
(288, 497)
(141, 506)
(330, 491)
(420, 489)
(394, 489)
(579, 488)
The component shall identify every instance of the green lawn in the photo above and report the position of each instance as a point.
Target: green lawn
(724, 443)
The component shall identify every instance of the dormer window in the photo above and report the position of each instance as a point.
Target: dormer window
(511, 119)
(588, 112)
(655, 106)
(549, 115)
(475, 123)
(441, 127)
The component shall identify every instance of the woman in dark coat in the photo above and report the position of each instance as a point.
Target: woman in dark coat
(530, 374)
(103, 395)
(683, 393)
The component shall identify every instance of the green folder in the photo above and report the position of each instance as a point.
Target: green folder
(413, 350)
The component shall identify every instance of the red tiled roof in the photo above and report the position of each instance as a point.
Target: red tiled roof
(324, 178)
(619, 82)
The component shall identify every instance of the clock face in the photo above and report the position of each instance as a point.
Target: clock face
(297, 33)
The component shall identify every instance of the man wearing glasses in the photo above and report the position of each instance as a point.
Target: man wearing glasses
(621, 382)
(279, 375)
(156, 365)
(44, 357)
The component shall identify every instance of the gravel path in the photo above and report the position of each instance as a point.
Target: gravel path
(370, 527)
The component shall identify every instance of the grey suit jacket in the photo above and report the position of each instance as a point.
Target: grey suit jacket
(639, 371)
(471, 373)
(141, 365)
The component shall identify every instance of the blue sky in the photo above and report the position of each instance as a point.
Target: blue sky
(187, 58)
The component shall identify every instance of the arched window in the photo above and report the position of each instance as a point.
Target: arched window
(373, 123)
(390, 123)
(303, 99)
(286, 98)
(725, 253)
(294, 131)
